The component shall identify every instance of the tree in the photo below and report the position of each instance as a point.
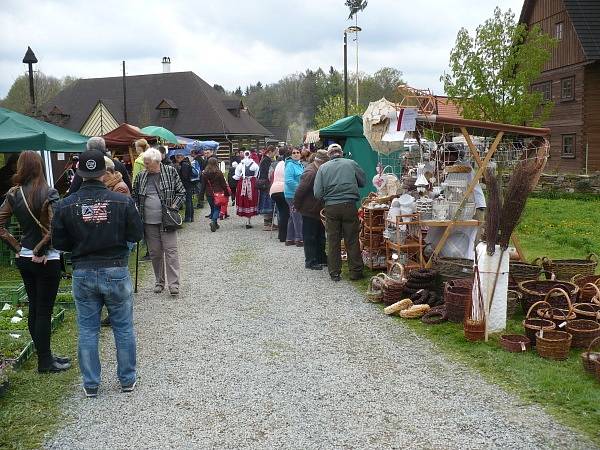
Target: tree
(238, 92)
(491, 73)
(45, 88)
(332, 109)
(219, 88)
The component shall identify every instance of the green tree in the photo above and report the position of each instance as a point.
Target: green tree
(45, 88)
(332, 109)
(355, 6)
(491, 73)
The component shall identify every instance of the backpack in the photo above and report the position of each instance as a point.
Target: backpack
(196, 171)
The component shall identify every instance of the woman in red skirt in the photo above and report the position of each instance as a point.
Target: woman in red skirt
(246, 193)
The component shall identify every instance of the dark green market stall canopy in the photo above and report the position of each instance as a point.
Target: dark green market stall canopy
(356, 146)
(19, 132)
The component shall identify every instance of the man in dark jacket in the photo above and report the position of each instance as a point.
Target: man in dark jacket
(184, 168)
(95, 225)
(337, 183)
(6, 174)
(97, 143)
(310, 208)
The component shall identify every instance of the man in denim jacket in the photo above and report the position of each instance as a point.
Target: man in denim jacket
(95, 224)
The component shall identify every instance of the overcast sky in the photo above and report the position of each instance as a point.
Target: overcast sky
(233, 42)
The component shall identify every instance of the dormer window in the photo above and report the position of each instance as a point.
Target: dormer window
(167, 108)
(558, 30)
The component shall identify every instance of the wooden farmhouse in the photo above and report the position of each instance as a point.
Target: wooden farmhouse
(571, 79)
(179, 101)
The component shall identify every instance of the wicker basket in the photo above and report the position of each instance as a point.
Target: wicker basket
(453, 268)
(557, 315)
(396, 272)
(534, 291)
(583, 332)
(597, 370)
(587, 293)
(513, 303)
(521, 271)
(515, 343)
(553, 344)
(533, 325)
(566, 269)
(591, 355)
(375, 289)
(588, 311)
(456, 299)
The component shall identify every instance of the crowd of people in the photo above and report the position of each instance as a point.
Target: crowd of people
(104, 214)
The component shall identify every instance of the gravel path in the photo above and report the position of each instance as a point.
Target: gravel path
(258, 352)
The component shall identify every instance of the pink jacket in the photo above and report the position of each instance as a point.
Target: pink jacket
(278, 178)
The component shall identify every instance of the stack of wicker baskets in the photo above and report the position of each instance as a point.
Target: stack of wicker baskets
(534, 291)
(456, 295)
(588, 287)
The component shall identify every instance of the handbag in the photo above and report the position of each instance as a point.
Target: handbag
(170, 218)
(218, 197)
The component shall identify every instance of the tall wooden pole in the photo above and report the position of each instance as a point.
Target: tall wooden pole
(345, 73)
(124, 95)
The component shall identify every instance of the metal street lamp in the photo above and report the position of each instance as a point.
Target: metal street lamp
(355, 29)
(30, 60)
(345, 73)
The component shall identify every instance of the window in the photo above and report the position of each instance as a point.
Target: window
(166, 113)
(567, 89)
(568, 146)
(545, 88)
(558, 30)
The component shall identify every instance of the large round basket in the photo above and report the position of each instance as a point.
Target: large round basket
(588, 287)
(455, 299)
(566, 269)
(553, 344)
(535, 290)
(589, 311)
(515, 343)
(453, 268)
(591, 355)
(533, 325)
(521, 271)
(583, 332)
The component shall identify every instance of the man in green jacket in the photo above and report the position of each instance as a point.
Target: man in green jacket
(337, 183)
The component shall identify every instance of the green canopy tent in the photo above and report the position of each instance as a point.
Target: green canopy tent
(19, 132)
(356, 146)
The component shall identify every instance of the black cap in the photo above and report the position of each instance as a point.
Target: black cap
(91, 164)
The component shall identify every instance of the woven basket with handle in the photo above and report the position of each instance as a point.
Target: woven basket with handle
(566, 269)
(552, 344)
(588, 285)
(533, 325)
(591, 355)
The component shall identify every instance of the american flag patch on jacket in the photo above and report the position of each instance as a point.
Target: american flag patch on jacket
(96, 213)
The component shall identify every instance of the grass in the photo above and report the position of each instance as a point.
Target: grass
(560, 228)
(31, 409)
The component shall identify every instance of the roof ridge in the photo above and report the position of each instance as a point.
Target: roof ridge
(198, 80)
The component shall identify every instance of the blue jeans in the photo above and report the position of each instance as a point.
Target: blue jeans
(215, 210)
(92, 288)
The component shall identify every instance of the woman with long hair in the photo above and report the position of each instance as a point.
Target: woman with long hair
(30, 201)
(213, 182)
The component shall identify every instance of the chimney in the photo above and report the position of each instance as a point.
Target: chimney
(166, 63)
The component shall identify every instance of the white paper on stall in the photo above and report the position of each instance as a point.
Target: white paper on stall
(6, 307)
(16, 319)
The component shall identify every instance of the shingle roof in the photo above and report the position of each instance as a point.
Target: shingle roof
(585, 15)
(201, 109)
(446, 107)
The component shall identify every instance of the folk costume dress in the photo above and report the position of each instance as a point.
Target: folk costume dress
(246, 193)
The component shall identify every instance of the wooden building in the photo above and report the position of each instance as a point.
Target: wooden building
(571, 78)
(179, 101)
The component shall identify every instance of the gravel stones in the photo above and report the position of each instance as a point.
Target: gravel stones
(258, 352)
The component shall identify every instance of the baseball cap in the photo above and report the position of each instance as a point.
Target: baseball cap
(91, 164)
(334, 149)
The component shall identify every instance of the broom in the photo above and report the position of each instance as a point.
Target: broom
(492, 219)
(524, 179)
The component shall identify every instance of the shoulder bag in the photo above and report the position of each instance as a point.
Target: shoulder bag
(171, 219)
(219, 197)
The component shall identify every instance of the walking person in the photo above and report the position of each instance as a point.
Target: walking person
(278, 197)
(337, 183)
(95, 224)
(216, 189)
(231, 181)
(141, 145)
(265, 203)
(310, 209)
(156, 189)
(293, 171)
(184, 169)
(31, 201)
(246, 195)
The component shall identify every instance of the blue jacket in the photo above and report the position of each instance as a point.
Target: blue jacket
(291, 177)
(95, 224)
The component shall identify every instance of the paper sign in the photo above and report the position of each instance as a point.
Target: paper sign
(60, 156)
